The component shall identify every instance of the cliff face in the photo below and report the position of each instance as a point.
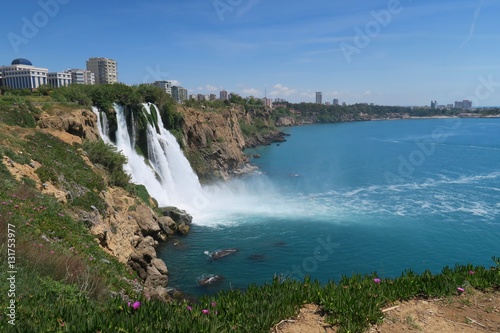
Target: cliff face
(214, 140)
(81, 124)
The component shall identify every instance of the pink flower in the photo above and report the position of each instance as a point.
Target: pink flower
(205, 311)
(129, 304)
(52, 252)
(472, 272)
(213, 304)
(376, 280)
(460, 290)
(190, 308)
(91, 258)
(136, 305)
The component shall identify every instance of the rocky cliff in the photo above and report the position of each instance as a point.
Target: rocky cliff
(214, 140)
(127, 227)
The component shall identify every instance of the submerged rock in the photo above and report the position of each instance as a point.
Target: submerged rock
(257, 257)
(210, 279)
(220, 253)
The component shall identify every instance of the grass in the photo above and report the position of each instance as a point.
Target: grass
(410, 321)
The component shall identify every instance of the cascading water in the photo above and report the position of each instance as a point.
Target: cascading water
(102, 124)
(170, 163)
(166, 173)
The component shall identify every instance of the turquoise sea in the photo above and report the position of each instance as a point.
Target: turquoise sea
(338, 199)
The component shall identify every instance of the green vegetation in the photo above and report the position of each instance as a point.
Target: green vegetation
(16, 111)
(319, 113)
(353, 304)
(108, 156)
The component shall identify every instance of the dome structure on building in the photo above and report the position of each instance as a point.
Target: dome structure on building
(21, 61)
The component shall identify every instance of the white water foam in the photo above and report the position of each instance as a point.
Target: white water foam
(102, 124)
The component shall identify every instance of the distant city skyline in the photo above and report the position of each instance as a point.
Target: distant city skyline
(389, 52)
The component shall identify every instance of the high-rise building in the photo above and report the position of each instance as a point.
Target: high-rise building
(59, 79)
(319, 97)
(81, 76)
(267, 102)
(335, 101)
(104, 69)
(179, 94)
(465, 104)
(434, 104)
(165, 85)
(223, 95)
(21, 74)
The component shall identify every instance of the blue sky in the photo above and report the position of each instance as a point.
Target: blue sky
(389, 52)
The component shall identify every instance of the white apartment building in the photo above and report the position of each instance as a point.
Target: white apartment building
(81, 76)
(165, 85)
(59, 79)
(179, 94)
(104, 69)
(21, 74)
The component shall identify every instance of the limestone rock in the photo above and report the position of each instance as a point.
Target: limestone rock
(80, 123)
(178, 215)
(160, 266)
(146, 248)
(183, 229)
(145, 219)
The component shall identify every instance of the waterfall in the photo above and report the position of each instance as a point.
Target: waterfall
(165, 172)
(169, 162)
(102, 124)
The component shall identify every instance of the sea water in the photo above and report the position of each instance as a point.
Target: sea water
(340, 199)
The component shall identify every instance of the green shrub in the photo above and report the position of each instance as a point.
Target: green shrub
(140, 191)
(112, 161)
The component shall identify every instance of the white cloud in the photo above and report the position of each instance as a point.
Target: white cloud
(251, 91)
(176, 83)
(208, 87)
(283, 91)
